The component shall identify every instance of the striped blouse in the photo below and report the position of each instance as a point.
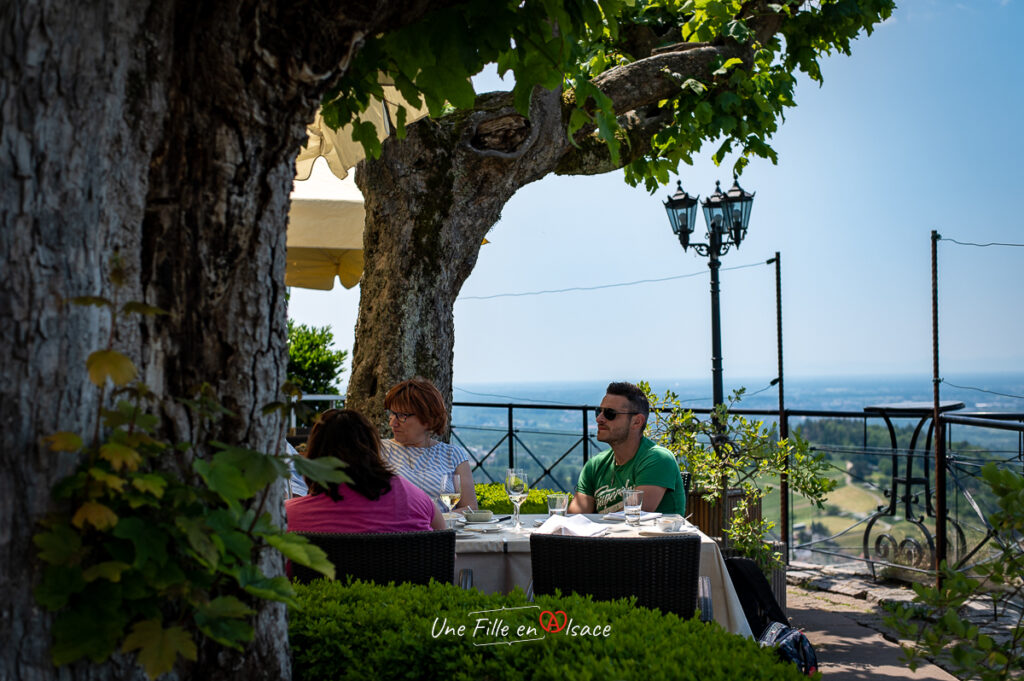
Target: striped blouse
(425, 467)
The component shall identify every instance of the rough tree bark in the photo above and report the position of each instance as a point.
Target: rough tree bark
(165, 131)
(432, 197)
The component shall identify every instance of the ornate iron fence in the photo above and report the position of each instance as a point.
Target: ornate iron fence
(885, 514)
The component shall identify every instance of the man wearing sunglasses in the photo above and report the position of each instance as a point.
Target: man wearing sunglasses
(633, 461)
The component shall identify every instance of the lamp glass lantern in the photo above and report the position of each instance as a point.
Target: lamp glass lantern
(682, 214)
(739, 203)
(716, 211)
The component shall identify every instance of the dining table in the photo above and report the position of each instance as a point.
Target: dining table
(499, 557)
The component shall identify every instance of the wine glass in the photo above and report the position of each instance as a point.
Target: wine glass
(517, 489)
(451, 492)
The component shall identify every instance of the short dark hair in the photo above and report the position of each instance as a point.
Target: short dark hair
(347, 435)
(420, 397)
(637, 399)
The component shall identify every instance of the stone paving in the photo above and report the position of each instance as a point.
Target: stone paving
(841, 610)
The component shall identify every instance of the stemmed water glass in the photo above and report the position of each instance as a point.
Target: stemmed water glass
(517, 489)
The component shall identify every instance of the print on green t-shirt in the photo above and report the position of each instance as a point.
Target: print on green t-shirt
(652, 465)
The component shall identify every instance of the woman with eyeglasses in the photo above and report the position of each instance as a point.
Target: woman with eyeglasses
(377, 500)
(418, 419)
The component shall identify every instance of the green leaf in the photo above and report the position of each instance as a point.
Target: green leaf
(224, 480)
(120, 456)
(60, 545)
(159, 648)
(104, 364)
(324, 469)
(151, 483)
(226, 606)
(63, 441)
(142, 308)
(95, 514)
(271, 407)
(111, 481)
(258, 469)
(93, 301)
(366, 134)
(58, 583)
(298, 549)
(110, 570)
(225, 631)
(82, 633)
(695, 86)
(227, 527)
(219, 619)
(150, 542)
(199, 539)
(271, 589)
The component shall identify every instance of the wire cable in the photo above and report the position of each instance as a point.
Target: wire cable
(981, 390)
(510, 397)
(971, 243)
(602, 286)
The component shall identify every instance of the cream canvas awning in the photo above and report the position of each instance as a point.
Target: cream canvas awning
(325, 223)
(325, 232)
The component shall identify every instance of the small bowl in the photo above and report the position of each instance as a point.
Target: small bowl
(479, 515)
(669, 524)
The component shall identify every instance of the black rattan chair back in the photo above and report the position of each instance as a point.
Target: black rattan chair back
(662, 572)
(398, 557)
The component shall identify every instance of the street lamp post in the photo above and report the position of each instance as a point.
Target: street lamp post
(727, 216)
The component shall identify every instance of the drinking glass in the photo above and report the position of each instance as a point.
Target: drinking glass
(557, 504)
(517, 489)
(632, 502)
(451, 492)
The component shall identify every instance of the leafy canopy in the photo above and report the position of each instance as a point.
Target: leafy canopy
(737, 103)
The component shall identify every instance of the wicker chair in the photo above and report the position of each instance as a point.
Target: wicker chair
(399, 557)
(662, 572)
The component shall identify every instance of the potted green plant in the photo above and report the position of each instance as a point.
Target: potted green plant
(734, 462)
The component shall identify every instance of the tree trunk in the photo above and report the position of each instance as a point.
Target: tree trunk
(166, 132)
(430, 200)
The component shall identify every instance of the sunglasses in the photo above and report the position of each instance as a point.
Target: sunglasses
(610, 414)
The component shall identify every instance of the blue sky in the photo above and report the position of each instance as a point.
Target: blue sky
(918, 130)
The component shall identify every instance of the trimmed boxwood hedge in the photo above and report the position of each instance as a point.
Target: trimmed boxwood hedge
(365, 631)
(493, 496)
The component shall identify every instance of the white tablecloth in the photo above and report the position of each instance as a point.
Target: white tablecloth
(501, 561)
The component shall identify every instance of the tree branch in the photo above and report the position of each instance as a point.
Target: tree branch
(648, 81)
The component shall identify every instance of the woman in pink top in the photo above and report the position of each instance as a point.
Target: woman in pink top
(376, 500)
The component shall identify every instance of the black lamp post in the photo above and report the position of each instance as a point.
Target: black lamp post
(727, 216)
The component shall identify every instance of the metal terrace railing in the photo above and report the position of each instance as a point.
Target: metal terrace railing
(886, 513)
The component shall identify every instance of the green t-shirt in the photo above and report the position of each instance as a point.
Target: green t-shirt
(652, 465)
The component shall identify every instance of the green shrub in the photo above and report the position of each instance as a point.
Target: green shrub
(493, 496)
(365, 631)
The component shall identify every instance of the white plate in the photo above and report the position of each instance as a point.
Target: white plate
(662, 533)
(483, 528)
(492, 521)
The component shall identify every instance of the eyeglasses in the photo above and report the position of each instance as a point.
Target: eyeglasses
(402, 418)
(610, 414)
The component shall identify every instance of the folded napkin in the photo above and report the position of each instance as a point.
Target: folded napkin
(621, 515)
(573, 526)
